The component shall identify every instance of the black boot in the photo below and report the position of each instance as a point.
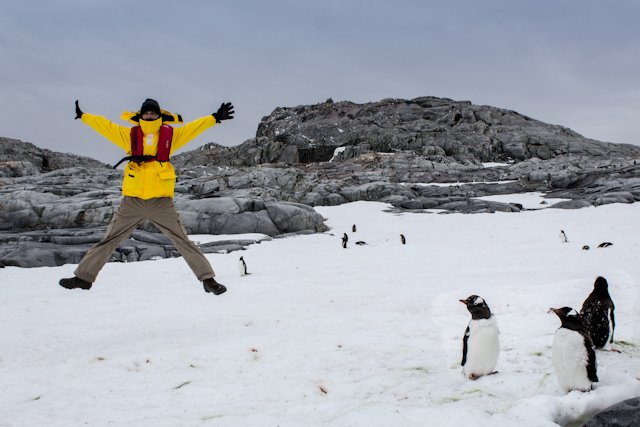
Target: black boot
(75, 283)
(210, 285)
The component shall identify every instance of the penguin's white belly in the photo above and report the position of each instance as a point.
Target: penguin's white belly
(242, 268)
(483, 347)
(570, 359)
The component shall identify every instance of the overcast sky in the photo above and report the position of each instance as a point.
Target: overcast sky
(570, 62)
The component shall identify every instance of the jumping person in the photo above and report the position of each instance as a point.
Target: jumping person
(148, 186)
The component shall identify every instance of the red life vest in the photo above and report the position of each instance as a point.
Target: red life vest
(137, 146)
(164, 143)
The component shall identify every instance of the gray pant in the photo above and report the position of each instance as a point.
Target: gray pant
(132, 212)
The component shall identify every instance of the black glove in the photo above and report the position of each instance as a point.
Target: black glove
(78, 111)
(225, 112)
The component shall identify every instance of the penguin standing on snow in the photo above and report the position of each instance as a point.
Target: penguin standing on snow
(353, 228)
(402, 239)
(242, 266)
(480, 345)
(574, 359)
(563, 237)
(598, 314)
(345, 239)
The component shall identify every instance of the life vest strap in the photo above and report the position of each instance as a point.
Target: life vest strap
(137, 159)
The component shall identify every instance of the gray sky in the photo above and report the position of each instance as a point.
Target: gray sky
(570, 62)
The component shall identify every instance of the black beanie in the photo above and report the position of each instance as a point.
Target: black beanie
(150, 105)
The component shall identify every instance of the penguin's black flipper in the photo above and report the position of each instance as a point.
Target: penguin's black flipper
(592, 368)
(465, 346)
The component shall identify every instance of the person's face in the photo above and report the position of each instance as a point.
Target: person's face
(150, 116)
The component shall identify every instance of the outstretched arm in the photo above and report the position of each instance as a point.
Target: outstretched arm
(186, 133)
(118, 135)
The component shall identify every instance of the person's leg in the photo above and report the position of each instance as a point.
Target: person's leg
(164, 215)
(131, 213)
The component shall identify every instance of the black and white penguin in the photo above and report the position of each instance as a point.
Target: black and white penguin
(361, 243)
(586, 248)
(598, 314)
(402, 239)
(480, 345)
(605, 244)
(573, 356)
(345, 239)
(563, 237)
(242, 266)
(353, 228)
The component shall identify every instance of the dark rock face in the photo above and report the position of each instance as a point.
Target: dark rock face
(427, 126)
(387, 151)
(425, 153)
(623, 414)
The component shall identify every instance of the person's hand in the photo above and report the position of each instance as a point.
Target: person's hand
(225, 112)
(79, 112)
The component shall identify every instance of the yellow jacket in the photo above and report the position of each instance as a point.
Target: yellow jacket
(148, 180)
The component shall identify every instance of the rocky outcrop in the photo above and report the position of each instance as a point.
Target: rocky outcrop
(53, 218)
(425, 153)
(24, 159)
(429, 127)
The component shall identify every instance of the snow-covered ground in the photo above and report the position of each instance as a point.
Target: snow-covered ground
(324, 336)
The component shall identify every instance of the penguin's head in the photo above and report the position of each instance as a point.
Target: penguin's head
(477, 307)
(570, 318)
(601, 285)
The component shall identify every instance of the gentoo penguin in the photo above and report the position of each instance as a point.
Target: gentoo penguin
(563, 237)
(353, 228)
(605, 244)
(574, 359)
(402, 239)
(345, 239)
(242, 266)
(598, 314)
(480, 345)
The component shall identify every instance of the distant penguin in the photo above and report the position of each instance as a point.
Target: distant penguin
(573, 356)
(361, 243)
(353, 228)
(598, 314)
(605, 244)
(563, 237)
(480, 345)
(402, 239)
(586, 248)
(242, 266)
(345, 239)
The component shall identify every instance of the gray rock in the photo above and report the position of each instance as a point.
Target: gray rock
(571, 204)
(622, 414)
(316, 155)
